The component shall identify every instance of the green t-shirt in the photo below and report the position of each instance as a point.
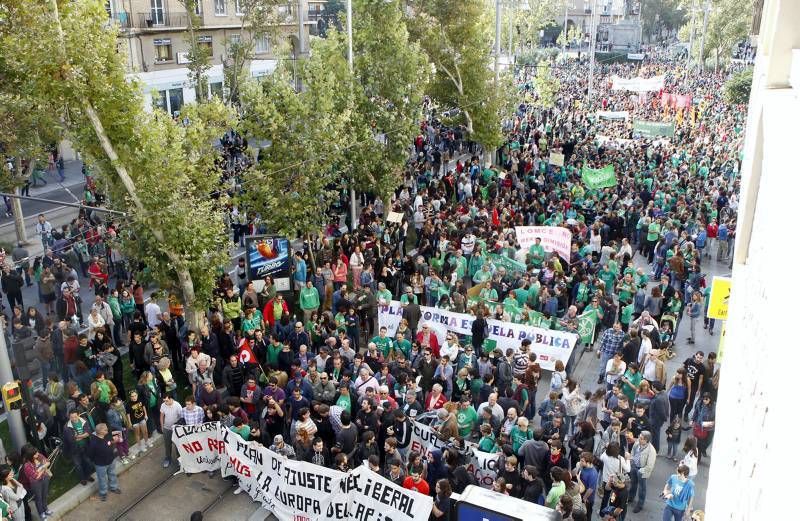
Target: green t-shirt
(79, 430)
(486, 444)
(384, 345)
(105, 392)
(653, 231)
(518, 437)
(243, 431)
(555, 494)
(402, 345)
(536, 252)
(309, 298)
(344, 402)
(627, 313)
(273, 350)
(466, 419)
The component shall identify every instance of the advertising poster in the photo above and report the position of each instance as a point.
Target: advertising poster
(269, 255)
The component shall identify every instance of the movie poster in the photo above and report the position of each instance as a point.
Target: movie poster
(269, 255)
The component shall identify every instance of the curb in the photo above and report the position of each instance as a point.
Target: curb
(70, 499)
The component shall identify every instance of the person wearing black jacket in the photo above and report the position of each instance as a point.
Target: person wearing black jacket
(659, 413)
(12, 284)
(100, 451)
(532, 484)
(210, 346)
(136, 351)
(319, 454)
(75, 438)
(479, 330)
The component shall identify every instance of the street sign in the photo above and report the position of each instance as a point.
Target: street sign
(720, 296)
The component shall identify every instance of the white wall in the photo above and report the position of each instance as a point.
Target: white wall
(752, 470)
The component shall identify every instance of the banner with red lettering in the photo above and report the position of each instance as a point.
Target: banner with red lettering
(482, 465)
(296, 490)
(554, 238)
(198, 447)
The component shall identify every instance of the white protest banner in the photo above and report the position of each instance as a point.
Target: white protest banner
(614, 115)
(554, 238)
(637, 84)
(300, 491)
(636, 56)
(549, 345)
(198, 447)
(375, 498)
(482, 465)
(395, 217)
(556, 159)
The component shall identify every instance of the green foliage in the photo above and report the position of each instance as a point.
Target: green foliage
(534, 56)
(728, 23)
(71, 61)
(199, 54)
(661, 16)
(737, 89)
(573, 35)
(458, 38)
(294, 183)
(545, 86)
(527, 17)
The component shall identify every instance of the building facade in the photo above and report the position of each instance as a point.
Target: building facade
(618, 23)
(154, 37)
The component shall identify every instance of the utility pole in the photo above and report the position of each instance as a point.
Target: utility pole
(592, 46)
(497, 12)
(703, 35)
(15, 423)
(510, 28)
(353, 216)
(691, 37)
(564, 33)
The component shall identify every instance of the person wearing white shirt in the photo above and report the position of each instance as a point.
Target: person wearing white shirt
(96, 323)
(450, 349)
(170, 414)
(468, 244)
(153, 312)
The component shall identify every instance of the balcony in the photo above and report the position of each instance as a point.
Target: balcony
(158, 21)
(122, 19)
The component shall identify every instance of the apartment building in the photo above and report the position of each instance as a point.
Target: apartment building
(618, 22)
(154, 37)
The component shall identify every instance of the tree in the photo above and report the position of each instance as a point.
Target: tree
(728, 24)
(260, 19)
(199, 54)
(527, 17)
(659, 16)
(737, 89)
(294, 182)
(388, 103)
(158, 171)
(458, 39)
(545, 86)
(573, 35)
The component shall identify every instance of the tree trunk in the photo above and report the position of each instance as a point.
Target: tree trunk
(184, 277)
(19, 221)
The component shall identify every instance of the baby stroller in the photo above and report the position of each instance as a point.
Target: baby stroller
(669, 324)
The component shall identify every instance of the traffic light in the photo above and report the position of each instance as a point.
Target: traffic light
(12, 396)
(26, 362)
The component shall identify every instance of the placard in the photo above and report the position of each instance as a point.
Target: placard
(269, 255)
(554, 238)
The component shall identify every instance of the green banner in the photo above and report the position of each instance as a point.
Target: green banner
(595, 178)
(651, 129)
(508, 263)
(586, 324)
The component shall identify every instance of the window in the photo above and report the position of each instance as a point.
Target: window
(198, 7)
(216, 89)
(236, 39)
(239, 10)
(220, 7)
(205, 42)
(157, 12)
(169, 100)
(262, 45)
(163, 50)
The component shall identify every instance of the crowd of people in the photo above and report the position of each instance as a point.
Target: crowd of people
(328, 385)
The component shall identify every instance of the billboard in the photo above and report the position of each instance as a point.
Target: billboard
(269, 255)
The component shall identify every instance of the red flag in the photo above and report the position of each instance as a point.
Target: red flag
(246, 355)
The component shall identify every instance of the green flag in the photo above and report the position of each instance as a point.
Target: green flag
(586, 324)
(652, 129)
(511, 265)
(599, 177)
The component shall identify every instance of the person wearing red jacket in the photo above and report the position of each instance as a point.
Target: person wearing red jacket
(276, 303)
(427, 338)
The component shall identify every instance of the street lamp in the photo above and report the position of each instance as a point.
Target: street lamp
(567, 6)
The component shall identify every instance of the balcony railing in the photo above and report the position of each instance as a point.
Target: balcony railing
(151, 20)
(122, 19)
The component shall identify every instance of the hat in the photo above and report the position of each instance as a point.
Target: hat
(277, 439)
